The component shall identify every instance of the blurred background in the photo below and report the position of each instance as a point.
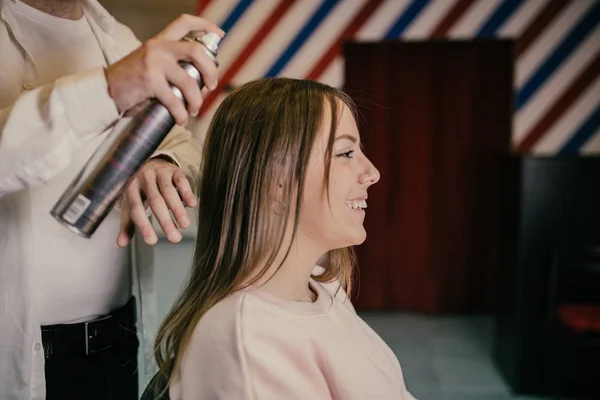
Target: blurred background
(481, 268)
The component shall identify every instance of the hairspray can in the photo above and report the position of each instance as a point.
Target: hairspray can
(103, 179)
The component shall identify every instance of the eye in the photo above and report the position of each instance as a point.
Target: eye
(348, 154)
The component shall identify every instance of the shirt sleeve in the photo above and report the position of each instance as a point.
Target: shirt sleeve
(183, 149)
(41, 131)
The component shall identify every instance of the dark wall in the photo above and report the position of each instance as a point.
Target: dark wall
(557, 205)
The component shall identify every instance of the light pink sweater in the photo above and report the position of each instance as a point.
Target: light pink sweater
(256, 346)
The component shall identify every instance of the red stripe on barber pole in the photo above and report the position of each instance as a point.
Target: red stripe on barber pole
(201, 5)
(583, 81)
(451, 17)
(539, 24)
(252, 45)
(363, 15)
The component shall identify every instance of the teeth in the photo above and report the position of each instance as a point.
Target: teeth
(357, 204)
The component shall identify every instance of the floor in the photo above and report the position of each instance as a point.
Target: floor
(444, 358)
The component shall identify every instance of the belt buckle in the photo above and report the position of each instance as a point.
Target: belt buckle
(88, 337)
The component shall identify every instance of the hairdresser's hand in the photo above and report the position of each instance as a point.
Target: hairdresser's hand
(163, 186)
(148, 71)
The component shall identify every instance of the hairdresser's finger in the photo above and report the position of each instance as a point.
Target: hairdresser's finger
(127, 229)
(187, 23)
(184, 188)
(171, 197)
(197, 55)
(188, 87)
(165, 95)
(139, 216)
(159, 207)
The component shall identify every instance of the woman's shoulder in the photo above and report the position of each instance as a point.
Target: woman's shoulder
(229, 320)
(228, 334)
(216, 338)
(213, 355)
(221, 320)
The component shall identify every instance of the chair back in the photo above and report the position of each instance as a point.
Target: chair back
(159, 384)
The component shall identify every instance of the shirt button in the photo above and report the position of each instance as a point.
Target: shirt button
(37, 347)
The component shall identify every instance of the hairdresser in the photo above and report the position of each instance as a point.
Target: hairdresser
(67, 71)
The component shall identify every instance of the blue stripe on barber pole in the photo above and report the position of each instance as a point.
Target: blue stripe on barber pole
(504, 11)
(406, 18)
(234, 15)
(562, 51)
(583, 133)
(301, 37)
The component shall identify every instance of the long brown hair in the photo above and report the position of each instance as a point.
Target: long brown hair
(263, 132)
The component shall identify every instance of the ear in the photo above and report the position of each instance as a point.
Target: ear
(278, 206)
(276, 190)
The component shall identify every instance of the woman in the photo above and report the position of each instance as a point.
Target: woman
(284, 181)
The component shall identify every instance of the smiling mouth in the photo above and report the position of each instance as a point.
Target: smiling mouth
(358, 205)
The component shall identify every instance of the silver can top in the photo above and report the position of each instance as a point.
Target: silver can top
(211, 41)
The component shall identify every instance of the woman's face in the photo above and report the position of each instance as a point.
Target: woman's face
(337, 222)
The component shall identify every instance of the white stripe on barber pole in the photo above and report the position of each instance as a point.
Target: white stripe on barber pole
(592, 146)
(473, 19)
(373, 29)
(322, 38)
(556, 85)
(528, 63)
(555, 137)
(334, 73)
(276, 42)
(382, 20)
(218, 10)
(520, 19)
(428, 19)
(243, 31)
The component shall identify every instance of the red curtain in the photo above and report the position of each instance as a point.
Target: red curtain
(437, 124)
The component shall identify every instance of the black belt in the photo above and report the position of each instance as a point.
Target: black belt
(90, 337)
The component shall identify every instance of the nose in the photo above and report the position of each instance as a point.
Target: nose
(370, 176)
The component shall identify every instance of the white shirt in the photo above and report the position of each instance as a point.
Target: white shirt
(47, 129)
(76, 279)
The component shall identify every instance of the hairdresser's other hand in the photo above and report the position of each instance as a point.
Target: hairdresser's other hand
(162, 186)
(147, 71)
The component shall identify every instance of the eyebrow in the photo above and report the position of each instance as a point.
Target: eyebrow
(351, 138)
(346, 136)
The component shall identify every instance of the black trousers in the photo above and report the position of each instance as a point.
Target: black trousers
(101, 368)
